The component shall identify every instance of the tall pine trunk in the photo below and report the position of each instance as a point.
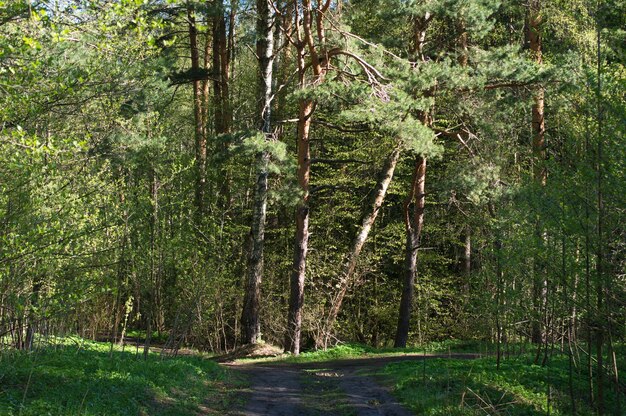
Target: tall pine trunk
(303, 20)
(221, 74)
(199, 104)
(301, 244)
(414, 223)
(223, 41)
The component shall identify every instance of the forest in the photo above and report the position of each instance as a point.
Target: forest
(313, 176)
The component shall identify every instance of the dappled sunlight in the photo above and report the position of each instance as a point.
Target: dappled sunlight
(66, 380)
(461, 387)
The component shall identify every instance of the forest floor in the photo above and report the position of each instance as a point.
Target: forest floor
(72, 376)
(355, 380)
(335, 388)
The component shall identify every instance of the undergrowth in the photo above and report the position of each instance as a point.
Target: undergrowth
(476, 387)
(354, 350)
(76, 376)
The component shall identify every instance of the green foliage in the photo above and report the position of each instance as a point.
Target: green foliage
(75, 376)
(471, 387)
(354, 350)
(99, 227)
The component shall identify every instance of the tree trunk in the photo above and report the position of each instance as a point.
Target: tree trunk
(296, 297)
(223, 116)
(306, 16)
(413, 225)
(386, 175)
(250, 324)
(303, 29)
(199, 117)
(419, 36)
(284, 56)
(221, 75)
(206, 83)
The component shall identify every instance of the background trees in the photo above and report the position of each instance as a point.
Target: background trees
(132, 172)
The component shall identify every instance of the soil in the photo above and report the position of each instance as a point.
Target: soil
(342, 387)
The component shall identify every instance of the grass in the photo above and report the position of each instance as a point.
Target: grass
(75, 376)
(442, 386)
(141, 335)
(81, 377)
(344, 351)
(475, 387)
(353, 350)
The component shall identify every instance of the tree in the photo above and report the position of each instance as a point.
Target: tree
(319, 62)
(250, 324)
(349, 266)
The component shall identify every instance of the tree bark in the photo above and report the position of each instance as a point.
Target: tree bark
(305, 42)
(199, 117)
(298, 272)
(223, 42)
(413, 225)
(386, 175)
(250, 324)
(221, 74)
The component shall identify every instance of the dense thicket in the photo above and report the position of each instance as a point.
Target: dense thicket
(305, 173)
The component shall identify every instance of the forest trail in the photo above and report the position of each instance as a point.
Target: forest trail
(341, 387)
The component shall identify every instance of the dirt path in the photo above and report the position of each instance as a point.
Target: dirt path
(275, 391)
(332, 388)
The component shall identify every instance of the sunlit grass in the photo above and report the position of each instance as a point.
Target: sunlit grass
(353, 350)
(476, 387)
(76, 376)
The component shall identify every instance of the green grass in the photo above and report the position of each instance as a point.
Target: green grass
(141, 335)
(353, 350)
(454, 386)
(462, 387)
(343, 351)
(81, 377)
